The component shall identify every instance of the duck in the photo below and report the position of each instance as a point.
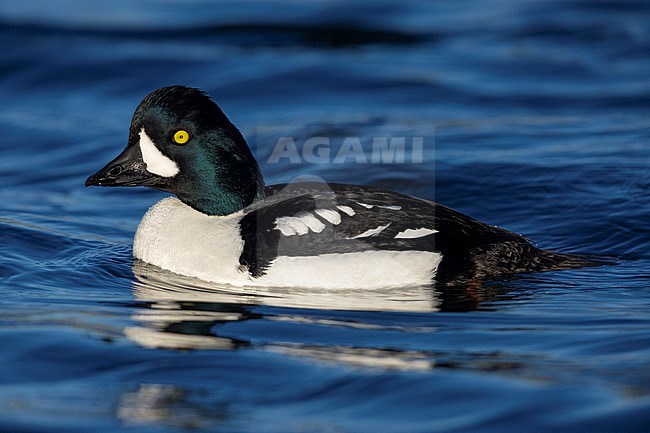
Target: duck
(224, 225)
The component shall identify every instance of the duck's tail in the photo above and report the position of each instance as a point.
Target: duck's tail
(553, 261)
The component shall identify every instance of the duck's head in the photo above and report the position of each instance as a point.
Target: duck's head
(181, 142)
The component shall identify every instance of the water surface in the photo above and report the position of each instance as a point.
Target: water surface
(538, 111)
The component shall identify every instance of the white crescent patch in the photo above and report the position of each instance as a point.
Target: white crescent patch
(155, 161)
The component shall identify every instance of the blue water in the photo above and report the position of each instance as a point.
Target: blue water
(537, 119)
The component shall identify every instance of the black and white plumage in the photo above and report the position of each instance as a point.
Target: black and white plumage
(226, 226)
(315, 218)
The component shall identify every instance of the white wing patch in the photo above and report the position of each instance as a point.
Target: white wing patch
(290, 226)
(415, 233)
(154, 159)
(370, 206)
(331, 216)
(314, 224)
(371, 232)
(347, 209)
(299, 225)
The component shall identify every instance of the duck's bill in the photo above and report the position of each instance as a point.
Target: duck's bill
(128, 169)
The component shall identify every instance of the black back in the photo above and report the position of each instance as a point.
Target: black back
(466, 244)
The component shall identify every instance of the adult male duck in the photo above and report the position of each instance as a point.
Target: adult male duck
(226, 226)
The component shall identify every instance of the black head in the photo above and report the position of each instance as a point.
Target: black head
(181, 142)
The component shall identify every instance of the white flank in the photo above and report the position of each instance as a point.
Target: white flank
(367, 206)
(371, 232)
(392, 207)
(154, 159)
(414, 233)
(330, 216)
(366, 270)
(175, 237)
(347, 209)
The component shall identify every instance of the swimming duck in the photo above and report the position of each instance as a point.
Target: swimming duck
(225, 225)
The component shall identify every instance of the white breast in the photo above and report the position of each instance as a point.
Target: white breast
(175, 237)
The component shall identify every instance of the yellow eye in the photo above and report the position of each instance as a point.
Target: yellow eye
(181, 137)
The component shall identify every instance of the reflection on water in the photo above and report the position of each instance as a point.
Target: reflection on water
(540, 123)
(183, 312)
(157, 285)
(363, 357)
(169, 405)
(180, 312)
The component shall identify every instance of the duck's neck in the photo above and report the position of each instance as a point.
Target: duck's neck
(223, 182)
